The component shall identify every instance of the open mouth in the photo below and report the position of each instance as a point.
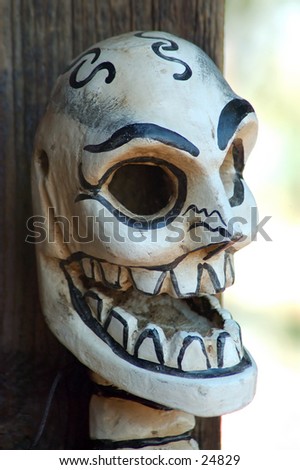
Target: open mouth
(190, 337)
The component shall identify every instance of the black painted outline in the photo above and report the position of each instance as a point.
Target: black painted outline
(138, 223)
(214, 278)
(222, 231)
(94, 296)
(116, 285)
(221, 341)
(239, 163)
(144, 130)
(158, 284)
(186, 342)
(164, 269)
(212, 275)
(218, 249)
(107, 444)
(173, 264)
(170, 46)
(231, 116)
(228, 262)
(195, 209)
(86, 316)
(113, 314)
(103, 66)
(151, 333)
(96, 269)
(77, 256)
(176, 286)
(112, 391)
(90, 263)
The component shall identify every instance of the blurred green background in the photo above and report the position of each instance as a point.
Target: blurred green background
(262, 64)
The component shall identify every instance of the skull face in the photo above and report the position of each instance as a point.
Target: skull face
(138, 174)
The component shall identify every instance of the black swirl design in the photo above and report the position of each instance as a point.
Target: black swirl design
(82, 59)
(168, 46)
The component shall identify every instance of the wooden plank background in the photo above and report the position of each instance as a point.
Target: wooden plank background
(37, 39)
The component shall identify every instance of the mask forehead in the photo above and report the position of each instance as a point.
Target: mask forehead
(130, 79)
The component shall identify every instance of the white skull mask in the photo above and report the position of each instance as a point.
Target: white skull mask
(138, 173)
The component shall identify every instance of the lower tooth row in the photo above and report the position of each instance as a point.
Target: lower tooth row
(187, 351)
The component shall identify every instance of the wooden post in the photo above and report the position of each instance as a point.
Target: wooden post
(37, 39)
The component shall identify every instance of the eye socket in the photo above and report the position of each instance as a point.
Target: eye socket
(142, 189)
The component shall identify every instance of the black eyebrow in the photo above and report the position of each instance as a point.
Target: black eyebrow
(231, 116)
(144, 130)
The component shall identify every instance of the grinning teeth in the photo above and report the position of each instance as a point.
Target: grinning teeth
(147, 281)
(192, 355)
(184, 285)
(150, 344)
(115, 277)
(230, 353)
(87, 267)
(94, 302)
(99, 306)
(198, 346)
(175, 345)
(121, 326)
(233, 328)
(211, 347)
(110, 274)
(96, 271)
(222, 351)
(211, 280)
(187, 351)
(124, 278)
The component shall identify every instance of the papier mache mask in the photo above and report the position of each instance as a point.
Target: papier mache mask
(138, 177)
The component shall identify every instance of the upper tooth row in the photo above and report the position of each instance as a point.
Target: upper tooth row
(155, 281)
(184, 350)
